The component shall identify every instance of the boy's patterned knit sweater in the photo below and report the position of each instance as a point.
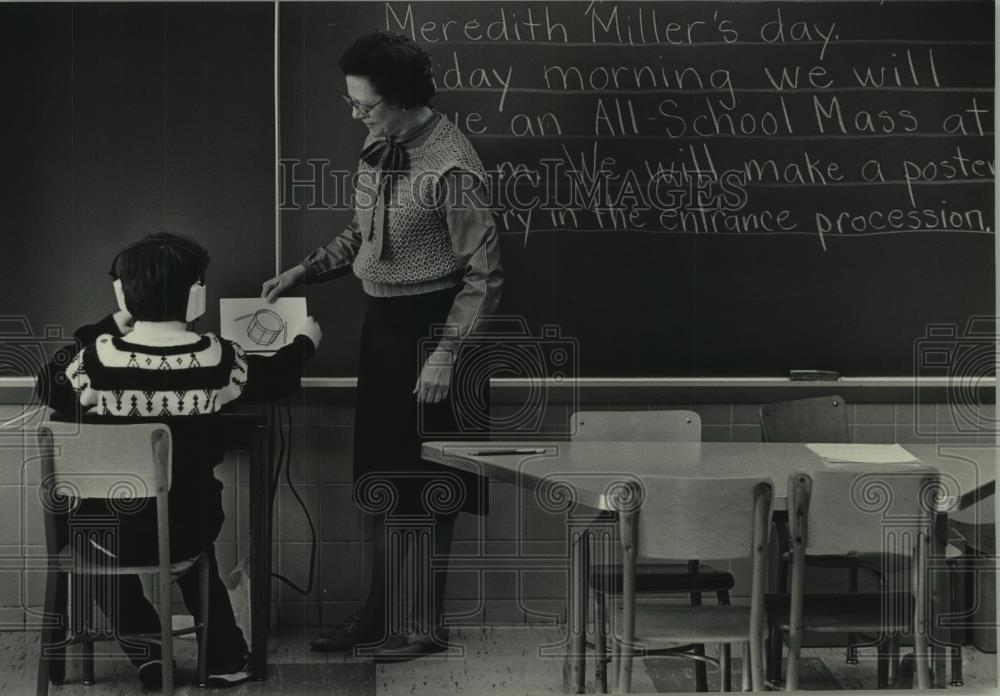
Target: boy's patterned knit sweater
(181, 385)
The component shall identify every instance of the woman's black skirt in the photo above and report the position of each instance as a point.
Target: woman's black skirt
(389, 476)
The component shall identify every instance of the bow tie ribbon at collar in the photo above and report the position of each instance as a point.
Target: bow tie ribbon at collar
(388, 156)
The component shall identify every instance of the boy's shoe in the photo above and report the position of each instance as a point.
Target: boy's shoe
(231, 674)
(151, 673)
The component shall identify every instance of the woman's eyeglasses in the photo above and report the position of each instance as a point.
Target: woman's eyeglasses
(365, 109)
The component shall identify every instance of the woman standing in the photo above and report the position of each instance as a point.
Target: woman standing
(424, 244)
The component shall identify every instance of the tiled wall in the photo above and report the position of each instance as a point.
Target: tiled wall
(525, 544)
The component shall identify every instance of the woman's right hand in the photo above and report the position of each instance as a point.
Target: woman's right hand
(280, 284)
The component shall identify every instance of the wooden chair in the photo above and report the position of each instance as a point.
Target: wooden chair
(819, 419)
(852, 511)
(677, 518)
(691, 578)
(636, 426)
(972, 532)
(122, 463)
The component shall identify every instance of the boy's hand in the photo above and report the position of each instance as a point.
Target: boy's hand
(311, 330)
(124, 320)
(280, 284)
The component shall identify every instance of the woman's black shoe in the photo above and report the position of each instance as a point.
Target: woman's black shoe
(355, 629)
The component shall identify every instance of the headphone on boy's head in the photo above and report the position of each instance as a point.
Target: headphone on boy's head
(196, 294)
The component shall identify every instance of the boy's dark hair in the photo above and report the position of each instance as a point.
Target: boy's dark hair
(398, 69)
(157, 272)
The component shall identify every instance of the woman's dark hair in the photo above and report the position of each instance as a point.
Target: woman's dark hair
(398, 69)
(157, 272)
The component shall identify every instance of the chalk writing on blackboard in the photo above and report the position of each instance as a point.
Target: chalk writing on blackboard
(708, 118)
(654, 164)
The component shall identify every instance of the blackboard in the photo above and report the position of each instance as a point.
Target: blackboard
(869, 113)
(119, 119)
(122, 118)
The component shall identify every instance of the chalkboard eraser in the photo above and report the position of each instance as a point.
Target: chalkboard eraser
(814, 375)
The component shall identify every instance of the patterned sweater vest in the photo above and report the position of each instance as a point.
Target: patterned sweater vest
(416, 245)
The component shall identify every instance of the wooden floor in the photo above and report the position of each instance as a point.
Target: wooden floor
(489, 660)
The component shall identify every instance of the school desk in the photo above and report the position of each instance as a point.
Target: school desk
(585, 474)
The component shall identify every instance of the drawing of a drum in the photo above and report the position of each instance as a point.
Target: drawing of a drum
(265, 326)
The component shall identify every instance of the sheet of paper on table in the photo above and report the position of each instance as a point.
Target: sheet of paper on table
(862, 454)
(260, 326)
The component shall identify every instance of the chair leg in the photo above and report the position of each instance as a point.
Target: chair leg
(757, 680)
(775, 647)
(773, 656)
(725, 654)
(626, 653)
(57, 668)
(958, 628)
(83, 607)
(700, 668)
(616, 664)
(746, 668)
(792, 670)
(922, 663)
(204, 568)
(51, 660)
(725, 667)
(904, 675)
(956, 666)
(87, 655)
(884, 658)
(893, 674)
(724, 650)
(600, 644)
(166, 632)
(923, 615)
(852, 638)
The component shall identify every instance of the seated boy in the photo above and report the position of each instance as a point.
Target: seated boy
(156, 370)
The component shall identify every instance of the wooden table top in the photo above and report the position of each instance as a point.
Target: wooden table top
(592, 469)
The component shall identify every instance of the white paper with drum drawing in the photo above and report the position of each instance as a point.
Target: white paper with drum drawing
(260, 326)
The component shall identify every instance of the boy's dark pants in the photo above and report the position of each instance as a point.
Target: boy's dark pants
(121, 598)
(127, 608)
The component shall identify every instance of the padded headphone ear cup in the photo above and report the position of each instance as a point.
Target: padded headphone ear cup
(196, 301)
(120, 294)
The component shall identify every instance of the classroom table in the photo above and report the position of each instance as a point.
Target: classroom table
(589, 473)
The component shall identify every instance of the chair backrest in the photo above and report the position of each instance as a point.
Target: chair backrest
(108, 461)
(122, 463)
(636, 426)
(850, 510)
(821, 419)
(700, 517)
(693, 518)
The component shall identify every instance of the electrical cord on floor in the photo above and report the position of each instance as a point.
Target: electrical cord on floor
(278, 421)
(276, 432)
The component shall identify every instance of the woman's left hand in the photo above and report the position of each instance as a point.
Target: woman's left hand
(434, 382)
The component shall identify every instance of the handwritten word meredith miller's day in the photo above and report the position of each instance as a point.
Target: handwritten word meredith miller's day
(710, 117)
